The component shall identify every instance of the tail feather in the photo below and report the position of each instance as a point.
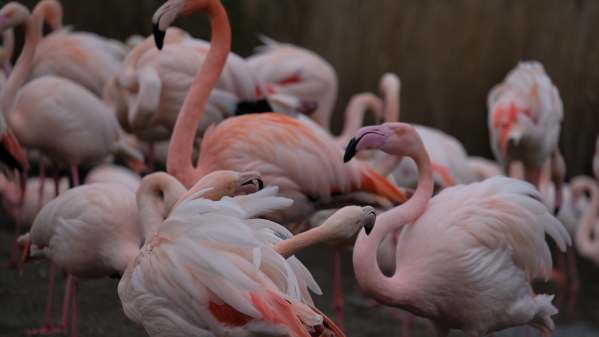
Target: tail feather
(375, 183)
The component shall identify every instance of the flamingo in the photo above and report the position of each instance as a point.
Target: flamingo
(303, 161)
(84, 131)
(525, 115)
(586, 234)
(197, 277)
(290, 70)
(93, 230)
(358, 105)
(464, 256)
(84, 58)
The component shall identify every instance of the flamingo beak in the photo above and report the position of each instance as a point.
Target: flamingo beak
(159, 35)
(370, 221)
(351, 149)
(11, 152)
(250, 183)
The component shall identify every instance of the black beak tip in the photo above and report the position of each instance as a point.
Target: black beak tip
(159, 36)
(350, 150)
(368, 229)
(260, 184)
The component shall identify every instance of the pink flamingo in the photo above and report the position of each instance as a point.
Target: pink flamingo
(463, 257)
(197, 277)
(290, 70)
(84, 58)
(525, 115)
(267, 143)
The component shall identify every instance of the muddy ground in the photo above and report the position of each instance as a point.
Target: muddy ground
(22, 303)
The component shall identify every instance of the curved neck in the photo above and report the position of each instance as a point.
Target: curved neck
(8, 48)
(585, 244)
(156, 195)
(51, 11)
(354, 114)
(392, 104)
(301, 241)
(180, 154)
(22, 70)
(391, 290)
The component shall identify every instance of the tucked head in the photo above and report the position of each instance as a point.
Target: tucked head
(347, 222)
(220, 184)
(393, 138)
(12, 15)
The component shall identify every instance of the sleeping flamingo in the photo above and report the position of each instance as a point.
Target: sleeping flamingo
(303, 161)
(463, 257)
(289, 70)
(197, 277)
(525, 116)
(84, 58)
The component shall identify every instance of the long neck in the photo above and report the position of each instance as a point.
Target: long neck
(179, 162)
(391, 290)
(155, 197)
(584, 243)
(52, 12)
(8, 48)
(392, 104)
(33, 35)
(299, 242)
(354, 114)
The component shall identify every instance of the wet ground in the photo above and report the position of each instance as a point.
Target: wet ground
(22, 303)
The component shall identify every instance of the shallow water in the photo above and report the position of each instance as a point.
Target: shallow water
(22, 303)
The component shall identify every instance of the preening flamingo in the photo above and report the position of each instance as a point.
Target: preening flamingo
(303, 161)
(525, 116)
(84, 58)
(195, 276)
(288, 70)
(463, 258)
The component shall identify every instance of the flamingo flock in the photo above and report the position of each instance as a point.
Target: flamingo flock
(205, 174)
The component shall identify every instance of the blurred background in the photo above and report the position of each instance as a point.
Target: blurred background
(449, 54)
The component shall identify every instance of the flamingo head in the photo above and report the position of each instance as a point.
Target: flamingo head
(344, 224)
(170, 11)
(12, 15)
(394, 138)
(511, 118)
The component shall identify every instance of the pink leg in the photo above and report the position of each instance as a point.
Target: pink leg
(56, 178)
(14, 259)
(407, 323)
(338, 289)
(75, 309)
(70, 289)
(48, 327)
(573, 278)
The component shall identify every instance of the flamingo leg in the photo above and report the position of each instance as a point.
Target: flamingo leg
(14, 258)
(338, 289)
(70, 289)
(48, 327)
(74, 307)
